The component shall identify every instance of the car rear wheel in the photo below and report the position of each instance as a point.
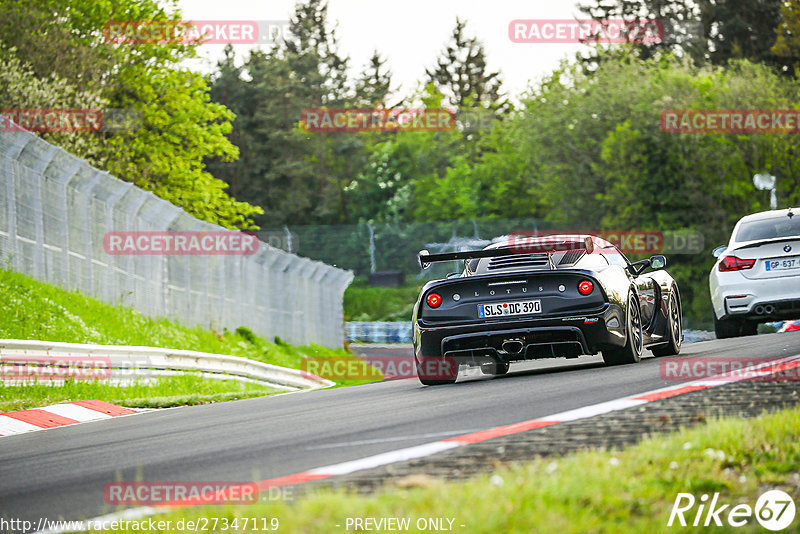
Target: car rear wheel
(436, 371)
(632, 351)
(727, 328)
(674, 330)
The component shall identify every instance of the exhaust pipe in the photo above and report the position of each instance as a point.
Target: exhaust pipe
(769, 309)
(512, 346)
(759, 309)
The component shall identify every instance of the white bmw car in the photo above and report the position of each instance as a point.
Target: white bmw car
(757, 275)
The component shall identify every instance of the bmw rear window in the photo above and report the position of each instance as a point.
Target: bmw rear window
(769, 229)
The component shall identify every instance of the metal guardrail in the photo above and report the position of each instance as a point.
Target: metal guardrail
(378, 332)
(125, 362)
(400, 332)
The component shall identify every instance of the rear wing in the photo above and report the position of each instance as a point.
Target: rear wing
(528, 245)
(760, 242)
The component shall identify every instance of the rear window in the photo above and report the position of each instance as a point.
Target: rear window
(769, 229)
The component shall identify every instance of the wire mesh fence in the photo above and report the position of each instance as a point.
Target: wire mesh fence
(56, 212)
(374, 247)
(371, 247)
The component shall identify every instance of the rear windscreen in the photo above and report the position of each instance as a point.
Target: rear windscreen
(769, 229)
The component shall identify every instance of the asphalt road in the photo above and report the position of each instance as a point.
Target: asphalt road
(61, 472)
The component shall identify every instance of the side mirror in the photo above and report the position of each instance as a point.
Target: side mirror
(423, 264)
(654, 262)
(717, 252)
(453, 275)
(658, 262)
(636, 268)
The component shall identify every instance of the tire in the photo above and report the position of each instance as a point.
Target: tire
(632, 351)
(750, 328)
(436, 371)
(674, 328)
(728, 328)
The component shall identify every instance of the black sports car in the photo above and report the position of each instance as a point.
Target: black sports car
(543, 297)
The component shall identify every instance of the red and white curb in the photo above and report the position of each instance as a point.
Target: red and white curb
(420, 451)
(67, 413)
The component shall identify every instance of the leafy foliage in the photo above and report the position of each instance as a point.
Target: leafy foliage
(59, 44)
(706, 30)
(20, 88)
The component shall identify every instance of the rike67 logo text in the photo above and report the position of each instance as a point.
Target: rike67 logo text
(774, 510)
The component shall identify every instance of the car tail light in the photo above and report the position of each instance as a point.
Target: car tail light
(732, 263)
(585, 287)
(434, 300)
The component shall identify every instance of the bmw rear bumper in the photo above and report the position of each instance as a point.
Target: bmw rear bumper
(736, 296)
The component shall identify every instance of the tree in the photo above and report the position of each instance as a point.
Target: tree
(312, 55)
(684, 29)
(20, 88)
(273, 170)
(714, 31)
(179, 125)
(787, 43)
(745, 29)
(62, 38)
(462, 75)
(229, 89)
(297, 176)
(374, 85)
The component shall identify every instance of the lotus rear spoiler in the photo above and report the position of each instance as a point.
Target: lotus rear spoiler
(519, 246)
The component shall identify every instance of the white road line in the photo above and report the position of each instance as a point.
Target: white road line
(388, 440)
(378, 460)
(593, 410)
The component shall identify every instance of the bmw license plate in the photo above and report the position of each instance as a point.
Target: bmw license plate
(503, 309)
(783, 264)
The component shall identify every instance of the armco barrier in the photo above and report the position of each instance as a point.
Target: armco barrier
(125, 361)
(378, 332)
(56, 210)
(400, 332)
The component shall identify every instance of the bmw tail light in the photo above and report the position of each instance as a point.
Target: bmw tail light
(585, 287)
(732, 263)
(434, 300)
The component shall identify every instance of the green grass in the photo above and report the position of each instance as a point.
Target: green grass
(365, 303)
(163, 393)
(30, 309)
(630, 491)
